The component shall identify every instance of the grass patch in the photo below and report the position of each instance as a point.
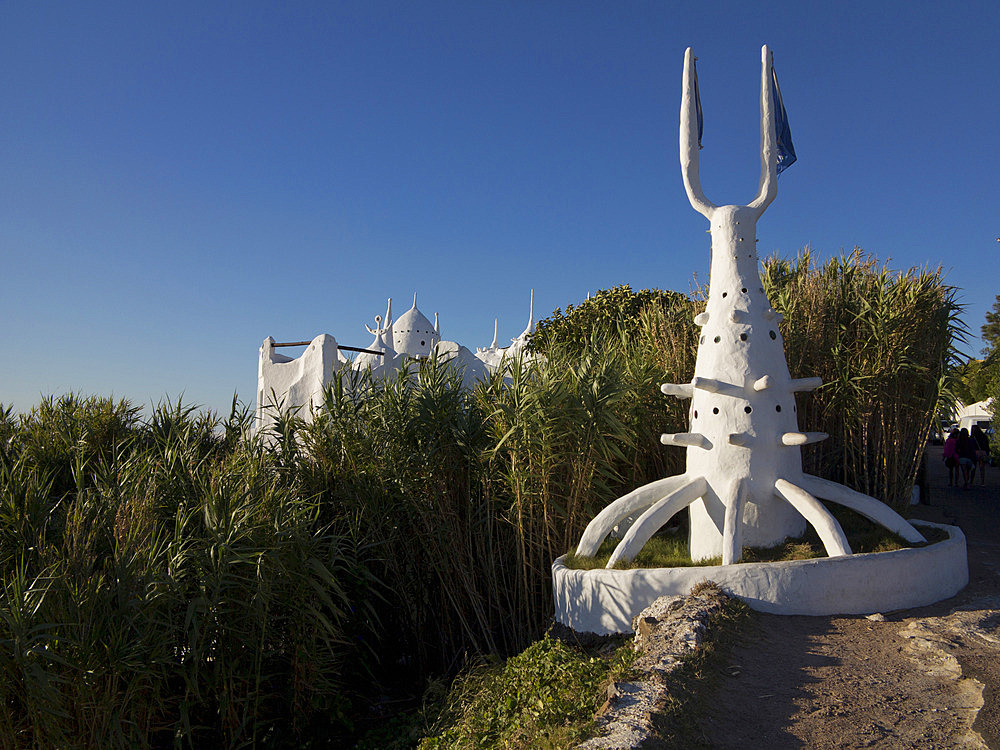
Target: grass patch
(662, 551)
(670, 550)
(545, 697)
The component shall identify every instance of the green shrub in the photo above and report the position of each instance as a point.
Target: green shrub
(545, 697)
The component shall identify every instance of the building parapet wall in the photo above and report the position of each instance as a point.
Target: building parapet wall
(294, 383)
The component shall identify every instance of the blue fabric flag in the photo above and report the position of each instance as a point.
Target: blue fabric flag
(786, 151)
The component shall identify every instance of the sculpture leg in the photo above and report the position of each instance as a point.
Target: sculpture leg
(636, 501)
(869, 507)
(830, 533)
(650, 521)
(732, 532)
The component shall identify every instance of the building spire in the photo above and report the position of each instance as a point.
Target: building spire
(530, 328)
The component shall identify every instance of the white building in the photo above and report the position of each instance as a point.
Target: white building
(296, 383)
(979, 413)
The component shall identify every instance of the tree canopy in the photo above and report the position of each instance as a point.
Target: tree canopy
(613, 312)
(991, 328)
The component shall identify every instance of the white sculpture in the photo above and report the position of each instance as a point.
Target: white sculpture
(744, 482)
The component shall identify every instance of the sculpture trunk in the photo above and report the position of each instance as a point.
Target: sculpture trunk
(739, 346)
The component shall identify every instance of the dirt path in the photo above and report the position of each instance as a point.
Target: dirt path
(927, 678)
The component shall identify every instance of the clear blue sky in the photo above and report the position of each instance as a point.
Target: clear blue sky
(179, 180)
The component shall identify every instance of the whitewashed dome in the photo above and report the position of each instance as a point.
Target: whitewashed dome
(413, 333)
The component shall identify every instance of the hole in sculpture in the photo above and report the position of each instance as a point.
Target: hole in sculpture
(747, 409)
(744, 290)
(702, 340)
(778, 407)
(695, 413)
(715, 410)
(743, 337)
(773, 335)
(717, 339)
(724, 294)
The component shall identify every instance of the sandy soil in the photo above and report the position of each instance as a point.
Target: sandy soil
(927, 678)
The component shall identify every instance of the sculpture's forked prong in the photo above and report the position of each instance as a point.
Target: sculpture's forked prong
(768, 189)
(830, 533)
(689, 140)
(651, 521)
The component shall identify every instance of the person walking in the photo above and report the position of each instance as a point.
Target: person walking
(982, 451)
(967, 448)
(951, 457)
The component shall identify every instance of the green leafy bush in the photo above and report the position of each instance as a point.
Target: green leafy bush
(545, 697)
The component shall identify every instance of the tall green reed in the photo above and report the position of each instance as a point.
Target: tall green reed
(884, 344)
(176, 593)
(175, 581)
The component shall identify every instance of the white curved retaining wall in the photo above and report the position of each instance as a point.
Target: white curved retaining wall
(605, 601)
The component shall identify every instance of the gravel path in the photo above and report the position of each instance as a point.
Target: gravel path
(927, 678)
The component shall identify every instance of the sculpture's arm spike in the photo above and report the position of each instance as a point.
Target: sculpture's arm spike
(689, 140)
(768, 189)
(680, 390)
(802, 438)
(869, 507)
(686, 440)
(827, 527)
(732, 529)
(805, 384)
(718, 386)
(701, 319)
(650, 522)
(742, 439)
(637, 501)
